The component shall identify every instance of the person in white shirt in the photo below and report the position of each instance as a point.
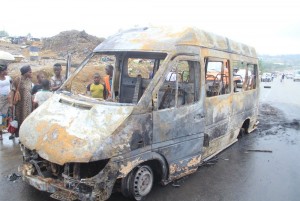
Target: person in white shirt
(42, 95)
(5, 87)
(171, 76)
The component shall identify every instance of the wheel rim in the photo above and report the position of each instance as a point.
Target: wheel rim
(143, 182)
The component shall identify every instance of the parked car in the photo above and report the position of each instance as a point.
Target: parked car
(296, 76)
(289, 76)
(266, 77)
(239, 77)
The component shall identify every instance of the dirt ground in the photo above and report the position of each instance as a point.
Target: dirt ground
(52, 50)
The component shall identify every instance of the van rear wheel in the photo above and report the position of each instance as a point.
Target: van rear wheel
(138, 183)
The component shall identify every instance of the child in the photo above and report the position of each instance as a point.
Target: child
(96, 89)
(42, 95)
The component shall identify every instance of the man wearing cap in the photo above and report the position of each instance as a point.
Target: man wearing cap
(23, 84)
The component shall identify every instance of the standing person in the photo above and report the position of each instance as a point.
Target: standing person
(96, 89)
(42, 95)
(282, 77)
(5, 85)
(57, 79)
(38, 86)
(109, 69)
(23, 84)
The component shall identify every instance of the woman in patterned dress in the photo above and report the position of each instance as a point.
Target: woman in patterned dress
(24, 85)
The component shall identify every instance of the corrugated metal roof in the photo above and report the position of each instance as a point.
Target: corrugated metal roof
(162, 39)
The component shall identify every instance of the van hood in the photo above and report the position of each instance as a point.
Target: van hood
(66, 130)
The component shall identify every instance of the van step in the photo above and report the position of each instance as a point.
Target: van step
(64, 196)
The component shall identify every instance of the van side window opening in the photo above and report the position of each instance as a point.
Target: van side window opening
(244, 76)
(180, 87)
(252, 78)
(137, 71)
(217, 77)
(143, 67)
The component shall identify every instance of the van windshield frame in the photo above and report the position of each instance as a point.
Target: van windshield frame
(126, 85)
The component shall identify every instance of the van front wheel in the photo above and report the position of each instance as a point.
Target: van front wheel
(139, 182)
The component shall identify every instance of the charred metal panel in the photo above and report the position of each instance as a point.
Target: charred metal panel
(242, 49)
(184, 167)
(218, 144)
(98, 187)
(218, 112)
(244, 101)
(178, 122)
(166, 39)
(58, 133)
(244, 106)
(134, 133)
(251, 101)
(218, 129)
(178, 155)
(180, 148)
(178, 134)
(238, 103)
(218, 108)
(129, 163)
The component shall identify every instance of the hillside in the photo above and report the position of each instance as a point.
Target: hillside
(79, 43)
(279, 62)
(52, 50)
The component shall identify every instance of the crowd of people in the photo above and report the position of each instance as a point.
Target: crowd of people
(19, 96)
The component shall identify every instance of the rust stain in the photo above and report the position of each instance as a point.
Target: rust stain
(125, 169)
(172, 169)
(59, 145)
(194, 161)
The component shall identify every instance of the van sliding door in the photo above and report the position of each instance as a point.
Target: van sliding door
(178, 121)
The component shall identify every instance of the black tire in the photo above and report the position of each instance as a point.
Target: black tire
(138, 183)
(125, 185)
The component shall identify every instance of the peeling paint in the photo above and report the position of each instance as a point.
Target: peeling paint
(125, 169)
(194, 162)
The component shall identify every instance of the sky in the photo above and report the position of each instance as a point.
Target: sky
(272, 27)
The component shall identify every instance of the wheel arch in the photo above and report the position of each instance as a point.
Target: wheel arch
(246, 125)
(151, 159)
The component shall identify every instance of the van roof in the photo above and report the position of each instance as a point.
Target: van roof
(162, 39)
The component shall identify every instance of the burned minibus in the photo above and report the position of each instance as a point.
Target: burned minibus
(174, 104)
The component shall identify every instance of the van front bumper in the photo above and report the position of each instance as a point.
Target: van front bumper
(97, 188)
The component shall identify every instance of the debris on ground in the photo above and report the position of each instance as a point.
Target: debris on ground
(13, 177)
(259, 150)
(174, 184)
(179, 182)
(210, 162)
